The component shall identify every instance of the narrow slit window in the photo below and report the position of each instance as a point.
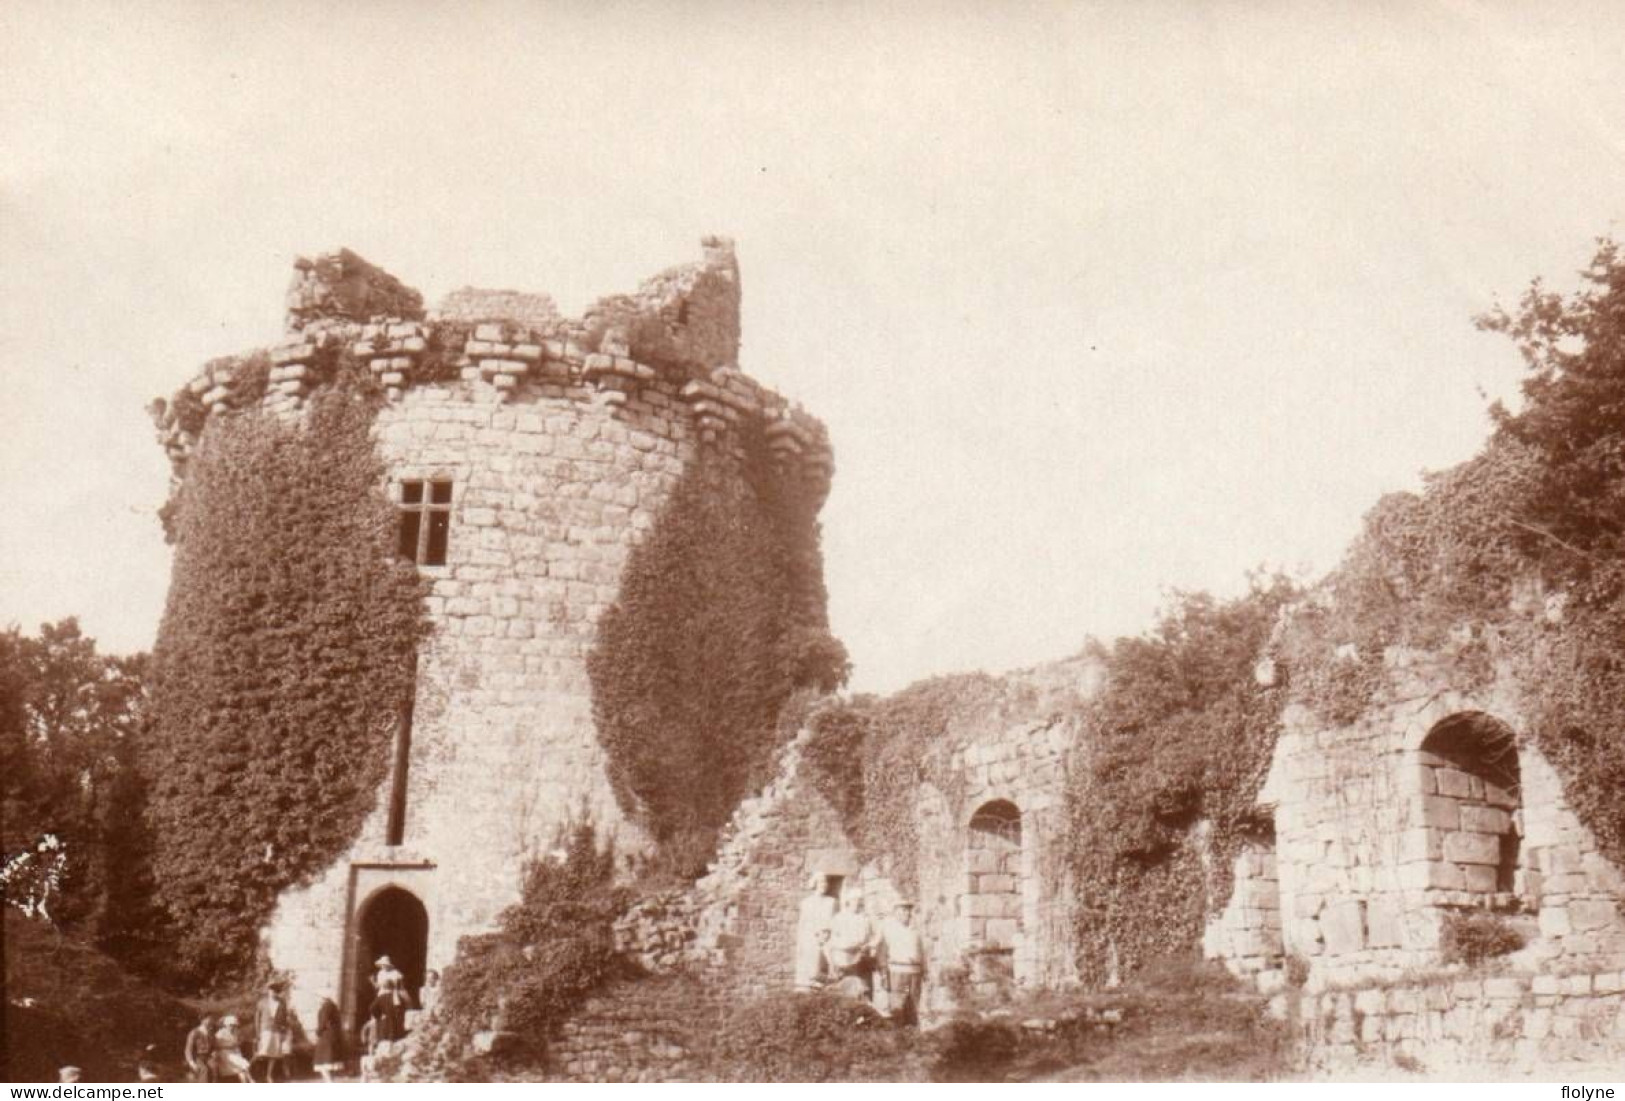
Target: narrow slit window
(425, 530)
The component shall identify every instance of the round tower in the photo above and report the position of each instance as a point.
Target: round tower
(526, 456)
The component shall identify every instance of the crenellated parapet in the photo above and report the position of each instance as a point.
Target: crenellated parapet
(677, 335)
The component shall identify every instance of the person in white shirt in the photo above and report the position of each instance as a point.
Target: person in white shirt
(902, 956)
(816, 911)
(851, 945)
(812, 962)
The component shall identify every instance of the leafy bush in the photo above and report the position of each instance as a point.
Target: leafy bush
(1474, 936)
(720, 618)
(553, 947)
(818, 1037)
(285, 654)
(1180, 732)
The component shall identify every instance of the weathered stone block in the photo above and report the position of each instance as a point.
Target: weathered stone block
(1485, 819)
(1472, 848)
(1342, 925)
(1554, 921)
(1371, 1001)
(1441, 812)
(1587, 914)
(1384, 925)
(1451, 782)
(1421, 843)
(1002, 932)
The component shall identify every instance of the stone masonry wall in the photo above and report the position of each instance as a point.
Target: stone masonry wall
(650, 1030)
(1246, 933)
(561, 449)
(1470, 1024)
(739, 921)
(1378, 841)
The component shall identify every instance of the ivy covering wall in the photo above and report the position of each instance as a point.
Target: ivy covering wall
(720, 618)
(1175, 748)
(1513, 563)
(868, 756)
(284, 656)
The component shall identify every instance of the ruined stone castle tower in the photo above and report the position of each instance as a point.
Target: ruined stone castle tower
(527, 454)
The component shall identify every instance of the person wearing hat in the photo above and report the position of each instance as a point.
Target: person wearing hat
(273, 1028)
(851, 946)
(199, 1050)
(385, 973)
(228, 1052)
(902, 957)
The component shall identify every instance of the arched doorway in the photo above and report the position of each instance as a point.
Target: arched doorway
(993, 898)
(391, 922)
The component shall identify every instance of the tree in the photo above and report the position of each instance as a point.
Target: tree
(70, 725)
(1573, 414)
(1573, 419)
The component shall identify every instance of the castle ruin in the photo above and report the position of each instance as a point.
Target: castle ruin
(525, 476)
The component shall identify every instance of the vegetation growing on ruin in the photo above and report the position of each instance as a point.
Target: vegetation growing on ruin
(1471, 937)
(1512, 563)
(552, 948)
(284, 656)
(1191, 1021)
(1177, 744)
(869, 756)
(719, 620)
(800, 1037)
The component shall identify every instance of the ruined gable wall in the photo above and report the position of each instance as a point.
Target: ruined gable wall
(738, 923)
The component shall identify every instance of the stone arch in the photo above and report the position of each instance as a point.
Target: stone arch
(1471, 787)
(992, 902)
(393, 922)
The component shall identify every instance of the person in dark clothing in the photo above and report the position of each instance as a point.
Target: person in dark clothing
(329, 1056)
(199, 1051)
(389, 1013)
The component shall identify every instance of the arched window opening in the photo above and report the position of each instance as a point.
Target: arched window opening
(992, 899)
(1471, 788)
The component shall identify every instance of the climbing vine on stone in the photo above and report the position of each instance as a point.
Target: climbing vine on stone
(718, 621)
(869, 757)
(1172, 753)
(285, 653)
(1510, 564)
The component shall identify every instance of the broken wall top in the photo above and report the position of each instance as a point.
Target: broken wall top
(679, 330)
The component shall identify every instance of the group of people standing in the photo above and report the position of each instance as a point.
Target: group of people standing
(214, 1050)
(839, 945)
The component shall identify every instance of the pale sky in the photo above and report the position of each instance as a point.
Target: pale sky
(1097, 300)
